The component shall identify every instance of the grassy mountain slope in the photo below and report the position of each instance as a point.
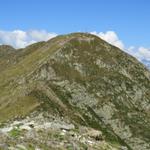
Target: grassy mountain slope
(84, 79)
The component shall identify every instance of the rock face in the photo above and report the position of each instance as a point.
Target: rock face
(86, 81)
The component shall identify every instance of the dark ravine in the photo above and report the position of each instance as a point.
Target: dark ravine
(84, 82)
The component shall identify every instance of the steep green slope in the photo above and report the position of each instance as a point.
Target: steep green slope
(6, 55)
(83, 78)
(10, 56)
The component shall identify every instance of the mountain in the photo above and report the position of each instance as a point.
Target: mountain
(74, 91)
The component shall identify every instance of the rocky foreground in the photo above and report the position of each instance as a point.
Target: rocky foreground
(45, 132)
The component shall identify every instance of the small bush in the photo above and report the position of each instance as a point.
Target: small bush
(15, 133)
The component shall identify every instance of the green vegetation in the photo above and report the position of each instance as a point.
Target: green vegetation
(82, 78)
(15, 133)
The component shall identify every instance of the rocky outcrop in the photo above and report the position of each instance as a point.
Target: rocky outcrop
(86, 81)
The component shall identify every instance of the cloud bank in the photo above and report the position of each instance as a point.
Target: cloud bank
(141, 53)
(111, 37)
(20, 39)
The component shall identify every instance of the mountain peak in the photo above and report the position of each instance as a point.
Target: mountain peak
(83, 80)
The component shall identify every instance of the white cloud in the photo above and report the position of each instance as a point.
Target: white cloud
(141, 53)
(111, 37)
(145, 53)
(20, 39)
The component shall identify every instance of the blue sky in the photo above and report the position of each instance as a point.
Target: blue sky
(129, 19)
